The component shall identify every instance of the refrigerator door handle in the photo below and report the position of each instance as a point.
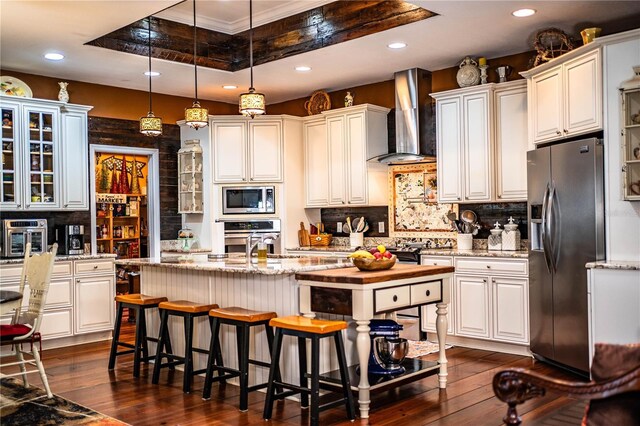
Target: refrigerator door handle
(551, 228)
(544, 234)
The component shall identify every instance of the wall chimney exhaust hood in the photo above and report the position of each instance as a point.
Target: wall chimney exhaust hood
(415, 134)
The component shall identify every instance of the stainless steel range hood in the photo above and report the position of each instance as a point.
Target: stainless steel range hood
(415, 133)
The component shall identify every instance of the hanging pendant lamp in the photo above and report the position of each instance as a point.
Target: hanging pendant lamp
(196, 116)
(251, 102)
(150, 125)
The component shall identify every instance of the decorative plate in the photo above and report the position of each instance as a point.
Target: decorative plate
(14, 87)
(318, 102)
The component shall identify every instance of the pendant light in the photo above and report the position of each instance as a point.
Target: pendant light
(150, 125)
(251, 102)
(196, 116)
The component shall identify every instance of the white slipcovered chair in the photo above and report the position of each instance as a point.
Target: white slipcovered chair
(23, 332)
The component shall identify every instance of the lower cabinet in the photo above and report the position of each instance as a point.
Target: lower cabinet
(79, 301)
(472, 306)
(492, 306)
(94, 307)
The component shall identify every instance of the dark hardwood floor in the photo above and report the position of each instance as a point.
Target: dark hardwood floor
(80, 374)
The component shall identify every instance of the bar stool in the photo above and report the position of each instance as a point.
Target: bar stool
(313, 329)
(243, 320)
(137, 303)
(188, 311)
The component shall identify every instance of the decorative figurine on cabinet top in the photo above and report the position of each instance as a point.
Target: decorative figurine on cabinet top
(63, 95)
(348, 100)
(468, 74)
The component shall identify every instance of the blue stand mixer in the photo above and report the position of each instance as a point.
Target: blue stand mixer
(388, 349)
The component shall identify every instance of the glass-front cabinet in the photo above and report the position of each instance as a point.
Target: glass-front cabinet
(190, 177)
(630, 92)
(44, 155)
(9, 197)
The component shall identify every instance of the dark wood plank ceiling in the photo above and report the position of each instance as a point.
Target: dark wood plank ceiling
(323, 26)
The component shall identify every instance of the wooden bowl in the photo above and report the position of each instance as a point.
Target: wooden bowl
(374, 264)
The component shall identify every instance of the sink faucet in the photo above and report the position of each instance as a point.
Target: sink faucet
(251, 245)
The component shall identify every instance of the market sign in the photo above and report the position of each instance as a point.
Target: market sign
(111, 198)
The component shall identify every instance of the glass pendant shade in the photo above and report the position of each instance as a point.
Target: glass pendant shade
(196, 116)
(150, 125)
(252, 103)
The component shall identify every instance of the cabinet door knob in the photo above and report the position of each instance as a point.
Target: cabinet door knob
(566, 131)
(428, 293)
(558, 132)
(78, 280)
(484, 281)
(458, 198)
(395, 298)
(342, 202)
(66, 205)
(488, 266)
(19, 205)
(499, 196)
(95, 266)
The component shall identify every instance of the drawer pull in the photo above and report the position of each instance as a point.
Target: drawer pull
(428, 292)
(435, 263)
(395, 298)
(488, 266)
(95, 266)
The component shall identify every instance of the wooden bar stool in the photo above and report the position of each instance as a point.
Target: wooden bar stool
(137, 303)
(188, 311)
(313, 329)
(243, 320)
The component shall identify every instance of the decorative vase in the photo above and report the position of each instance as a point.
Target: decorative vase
(63, 95)
(468, 74)
(348, 100)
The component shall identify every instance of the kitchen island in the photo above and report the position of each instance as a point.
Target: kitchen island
(273, 286)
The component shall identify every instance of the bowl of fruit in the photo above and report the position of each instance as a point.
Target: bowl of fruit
(375, 259)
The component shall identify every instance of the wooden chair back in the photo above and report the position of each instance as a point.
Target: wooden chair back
(36, 273)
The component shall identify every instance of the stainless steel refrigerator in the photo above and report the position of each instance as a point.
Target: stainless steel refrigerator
(566, 223)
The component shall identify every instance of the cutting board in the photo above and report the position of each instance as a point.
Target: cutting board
(356, 276)
(303, 236)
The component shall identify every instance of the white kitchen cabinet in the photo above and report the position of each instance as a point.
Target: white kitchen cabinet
(473, 306)
(429, 312)
(247, 151)
(481, 134)
(565, 96)
(94, 308)
(353, 135)
(316, 159)
(44, 148)
(510, 319)
(511, 141)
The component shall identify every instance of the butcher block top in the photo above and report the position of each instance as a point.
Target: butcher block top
(355, 276)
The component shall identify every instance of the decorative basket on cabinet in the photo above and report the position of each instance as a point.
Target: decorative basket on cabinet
(320, 239)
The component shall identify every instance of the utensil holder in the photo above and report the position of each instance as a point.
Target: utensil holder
(356, 239)
(465, 241)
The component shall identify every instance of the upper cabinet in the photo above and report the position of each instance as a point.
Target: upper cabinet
(246, 151)
(481, 133)
(337, 145)
(44, 155)
(565, 99)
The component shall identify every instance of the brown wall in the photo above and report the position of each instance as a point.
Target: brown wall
(383, 93)
(115, 102)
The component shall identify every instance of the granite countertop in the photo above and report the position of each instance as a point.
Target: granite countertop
(275, 265)
(181, 250)
(430, 252)
(62, 257)
(630, 265)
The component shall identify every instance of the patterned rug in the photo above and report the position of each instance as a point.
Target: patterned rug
(30, 406)
(423, 347)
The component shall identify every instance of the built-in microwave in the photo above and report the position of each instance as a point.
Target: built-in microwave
(248, 200)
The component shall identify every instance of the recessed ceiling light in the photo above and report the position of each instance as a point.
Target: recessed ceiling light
(54, 56)
(151, 73)
(521, 13)
(303, 68)
(397, 45)
(229, 87)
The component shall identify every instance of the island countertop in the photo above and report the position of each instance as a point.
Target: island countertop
(237, 264)
(355, 276)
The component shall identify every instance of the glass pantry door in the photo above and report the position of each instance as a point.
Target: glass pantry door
(42, 148)
(9, 169)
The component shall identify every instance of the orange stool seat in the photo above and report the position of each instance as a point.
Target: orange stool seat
(240, 314)
(139, 299)
(308, 325)
(187, 306)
